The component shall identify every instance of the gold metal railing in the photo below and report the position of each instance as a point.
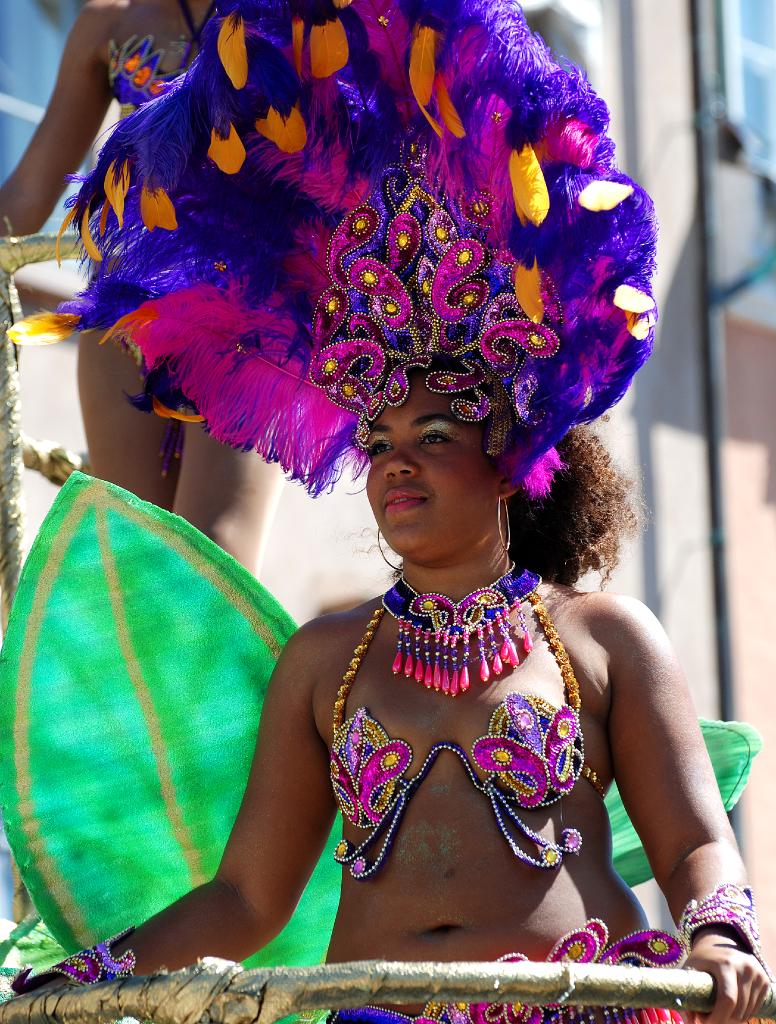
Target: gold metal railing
(16, 450)
(219, 991)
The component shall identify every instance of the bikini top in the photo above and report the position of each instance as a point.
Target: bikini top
(133, 69)
(531, 755)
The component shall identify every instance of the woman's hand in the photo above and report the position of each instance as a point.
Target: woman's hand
(740, 982)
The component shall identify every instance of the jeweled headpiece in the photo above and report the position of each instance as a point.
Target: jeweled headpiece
(413, 281)
(338, 190)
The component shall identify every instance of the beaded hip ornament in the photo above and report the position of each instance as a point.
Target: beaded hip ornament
(435, 633)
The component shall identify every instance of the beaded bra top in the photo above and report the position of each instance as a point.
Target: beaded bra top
(134, 67)
(530, 757)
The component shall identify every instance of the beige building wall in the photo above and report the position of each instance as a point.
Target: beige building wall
(750, 465)
(659, 430)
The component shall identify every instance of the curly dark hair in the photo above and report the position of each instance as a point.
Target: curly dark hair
(591, 508)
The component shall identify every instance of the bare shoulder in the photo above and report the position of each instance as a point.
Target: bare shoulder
(612, 639)
(340, 630)
(611, 620)
(318, 654)
(97, 23)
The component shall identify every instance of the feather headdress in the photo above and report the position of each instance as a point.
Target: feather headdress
(210, 212)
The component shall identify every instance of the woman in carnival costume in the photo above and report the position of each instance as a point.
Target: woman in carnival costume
(132, 51)
(424, 263)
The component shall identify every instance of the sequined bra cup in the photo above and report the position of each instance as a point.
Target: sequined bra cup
(133, 72)
(530, 757)
(134, 68)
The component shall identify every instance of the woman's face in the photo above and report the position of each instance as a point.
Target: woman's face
(433, 491)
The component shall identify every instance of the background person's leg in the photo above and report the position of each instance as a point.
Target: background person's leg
(123, 443)
(229, 495)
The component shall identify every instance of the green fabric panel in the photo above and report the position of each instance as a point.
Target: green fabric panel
(132, 677)
(732, 746)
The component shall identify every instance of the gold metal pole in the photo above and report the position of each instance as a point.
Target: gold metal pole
(14, 253)
(218, 991)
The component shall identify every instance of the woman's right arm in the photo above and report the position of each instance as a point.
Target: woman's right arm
(282, 826)
(73, 117)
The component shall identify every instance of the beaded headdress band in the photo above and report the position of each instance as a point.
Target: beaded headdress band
(251, 233)
(413, 280)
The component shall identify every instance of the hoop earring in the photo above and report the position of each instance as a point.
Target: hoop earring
(508, 541)
(396, 568)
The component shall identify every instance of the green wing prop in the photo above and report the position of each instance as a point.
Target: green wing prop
(131, 682)
(732, 746)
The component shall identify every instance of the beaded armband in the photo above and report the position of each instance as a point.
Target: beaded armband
(88, 967)
(731, 906)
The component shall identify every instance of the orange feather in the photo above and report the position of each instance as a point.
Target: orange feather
(640, 324)
(423, 64)
(232, 50)
(104, 216)
(528, 289)
(432, 121)
(62, 229)
(288, 133)
(86, 237)
(157, 210)
(328, 48)
(170, 414)
(227, 154)
(116, 187)
(532, 200)
(43, 329)
(447, 111)
(128, 324)
(297, 39)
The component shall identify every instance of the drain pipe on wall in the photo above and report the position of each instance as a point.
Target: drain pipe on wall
(712, 334)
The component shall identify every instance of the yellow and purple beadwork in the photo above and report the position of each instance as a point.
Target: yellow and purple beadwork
(413, 282)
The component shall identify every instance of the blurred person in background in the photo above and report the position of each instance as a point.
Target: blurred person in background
(129, 50)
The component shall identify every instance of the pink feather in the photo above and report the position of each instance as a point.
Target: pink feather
(385, 41)
(250, 397)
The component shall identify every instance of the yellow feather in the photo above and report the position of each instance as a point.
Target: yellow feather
(157, 210)
(289, 134)
(632, 300)
(341, 4)
(170, 414)
(297, 39)
(529, 188)
(232, 50)
(62, 229)
(116, 187)
(104, 216)
(43, 329)
(528, 289)
(604, 195)
(227, 154)
(86, 237)
(447, 110)
(640, 324)
(328, 48)
(423, 64)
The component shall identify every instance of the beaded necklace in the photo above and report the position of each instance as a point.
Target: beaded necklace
(435, 632)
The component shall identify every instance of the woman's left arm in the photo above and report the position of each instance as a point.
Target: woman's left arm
(668, 787)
